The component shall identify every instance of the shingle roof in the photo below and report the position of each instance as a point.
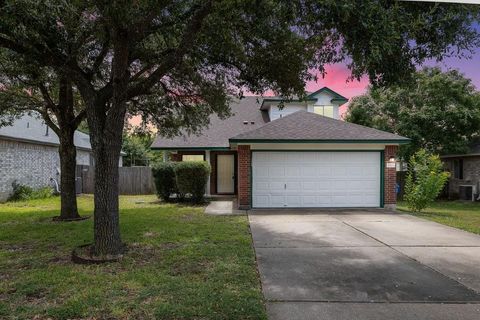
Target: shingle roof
(34, 130)
(303, 125)
(219, 131)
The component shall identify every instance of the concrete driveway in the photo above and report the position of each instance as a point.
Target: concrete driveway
(364, 264)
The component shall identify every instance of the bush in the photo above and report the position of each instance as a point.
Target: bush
(192, 178)
(425, 180)
(164, 176)
(22, 192)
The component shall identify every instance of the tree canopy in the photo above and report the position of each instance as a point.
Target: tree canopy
(439, 111)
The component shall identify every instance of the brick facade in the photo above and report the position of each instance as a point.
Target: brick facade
(471, 174)
(244, 187)
(30, 164)
(176, 157)
(390, 178)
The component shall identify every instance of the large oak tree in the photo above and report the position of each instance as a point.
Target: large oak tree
(27, 88)
(177, 62)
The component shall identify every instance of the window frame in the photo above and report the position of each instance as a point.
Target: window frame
(458, 169)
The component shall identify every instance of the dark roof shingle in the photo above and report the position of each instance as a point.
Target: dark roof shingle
(219, 131)
(303, 125)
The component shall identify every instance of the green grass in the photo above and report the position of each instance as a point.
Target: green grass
(458, 214)
(182, 265)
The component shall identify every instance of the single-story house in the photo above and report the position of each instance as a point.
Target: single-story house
(295, 154)
(29, 154)
(464, 181)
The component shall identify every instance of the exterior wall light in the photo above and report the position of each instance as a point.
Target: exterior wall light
(391, 159)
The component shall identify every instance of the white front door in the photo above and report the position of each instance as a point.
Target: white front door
(315, 179)
(225, 173)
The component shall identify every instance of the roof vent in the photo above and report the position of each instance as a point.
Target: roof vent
(245, 122)
(252, 122)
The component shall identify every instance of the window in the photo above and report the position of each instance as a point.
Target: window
(458, 168)
(326, 111)
(192, 157)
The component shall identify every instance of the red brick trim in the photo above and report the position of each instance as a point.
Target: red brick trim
(244, 187)
(390, 177)
(176, 157)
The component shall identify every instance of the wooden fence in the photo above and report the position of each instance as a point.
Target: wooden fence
(132, 180)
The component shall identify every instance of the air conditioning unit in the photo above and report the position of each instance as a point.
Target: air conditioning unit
(467, 192)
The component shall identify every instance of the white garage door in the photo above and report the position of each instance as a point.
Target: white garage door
(315, 179)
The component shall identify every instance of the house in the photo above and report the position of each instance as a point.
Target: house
(298, 154)
(464, 181)
(29, 154)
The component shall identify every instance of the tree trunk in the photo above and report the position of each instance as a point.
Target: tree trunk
(68, 160)
(106, 222)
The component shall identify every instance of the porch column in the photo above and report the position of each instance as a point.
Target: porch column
(244, 187)
(390, 178)
(165, 156)
(207, 159)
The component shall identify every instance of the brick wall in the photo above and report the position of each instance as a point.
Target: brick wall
(390, 178)
(30, 164)
(471, 174)
(176, 157)
(244, 188)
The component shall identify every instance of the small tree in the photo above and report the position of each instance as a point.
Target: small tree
(425, 180)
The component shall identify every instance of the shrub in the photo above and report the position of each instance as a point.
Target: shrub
(164, 176)
(22, 192)
(192, 178)
(425, 180)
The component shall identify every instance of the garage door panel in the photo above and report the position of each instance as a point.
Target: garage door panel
(316, 179)
(277, 201)
(293, 172)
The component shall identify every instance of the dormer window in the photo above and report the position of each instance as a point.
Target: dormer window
(326, 111)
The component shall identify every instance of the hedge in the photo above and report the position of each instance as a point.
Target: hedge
(181, 178)
(164, 176)
(192, 178)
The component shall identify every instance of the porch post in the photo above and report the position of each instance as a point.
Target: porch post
(165, 156)
(207, 159)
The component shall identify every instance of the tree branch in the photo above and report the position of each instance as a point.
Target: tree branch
(191, 31)
(79, 118)
(49, 121)
(46, 97)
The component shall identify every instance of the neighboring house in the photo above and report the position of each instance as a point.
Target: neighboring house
(298, 155)
(464, 181)
(29, 154)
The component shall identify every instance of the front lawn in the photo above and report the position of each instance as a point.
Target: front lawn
(458, 214)
(182, 265)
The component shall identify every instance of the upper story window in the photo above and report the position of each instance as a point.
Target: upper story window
(326, 111)
(458, 169)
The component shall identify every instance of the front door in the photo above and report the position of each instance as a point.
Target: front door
(225, 173)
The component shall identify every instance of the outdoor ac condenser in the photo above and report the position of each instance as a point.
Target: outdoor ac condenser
(467, 192)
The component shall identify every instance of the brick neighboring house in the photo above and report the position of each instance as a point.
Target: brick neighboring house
(29, 154)
(464, 173)
(298, 154)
